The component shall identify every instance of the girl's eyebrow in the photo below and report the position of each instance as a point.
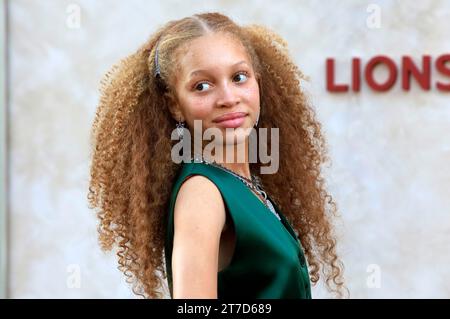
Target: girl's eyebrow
(193, 73)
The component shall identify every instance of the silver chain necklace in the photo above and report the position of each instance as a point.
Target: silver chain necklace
(254, 183)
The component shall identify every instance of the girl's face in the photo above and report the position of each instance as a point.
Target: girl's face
(216, 78)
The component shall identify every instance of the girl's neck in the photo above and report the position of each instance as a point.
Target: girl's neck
(238, 164)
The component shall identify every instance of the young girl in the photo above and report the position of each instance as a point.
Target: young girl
(213, 227)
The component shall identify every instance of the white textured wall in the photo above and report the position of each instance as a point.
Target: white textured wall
(390, 151)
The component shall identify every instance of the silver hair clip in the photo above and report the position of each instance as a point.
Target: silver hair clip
(157, 69)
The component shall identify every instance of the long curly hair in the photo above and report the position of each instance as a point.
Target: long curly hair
(132, 174)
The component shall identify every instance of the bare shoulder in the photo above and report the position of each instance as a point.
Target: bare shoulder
(199, 199)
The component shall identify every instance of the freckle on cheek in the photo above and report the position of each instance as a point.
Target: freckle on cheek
(252, 92)
(200, 111)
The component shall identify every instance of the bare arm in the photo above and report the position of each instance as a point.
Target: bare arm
(199, 218)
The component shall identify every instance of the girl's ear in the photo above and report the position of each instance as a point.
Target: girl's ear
(174, 107)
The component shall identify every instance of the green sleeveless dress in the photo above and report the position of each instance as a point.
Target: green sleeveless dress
(268, 260)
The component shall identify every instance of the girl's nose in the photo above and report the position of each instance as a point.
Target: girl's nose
(228, 96)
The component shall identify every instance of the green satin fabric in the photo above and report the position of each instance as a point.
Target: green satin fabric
(268, 260)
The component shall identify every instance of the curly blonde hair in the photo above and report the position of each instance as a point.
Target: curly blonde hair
(132, 173)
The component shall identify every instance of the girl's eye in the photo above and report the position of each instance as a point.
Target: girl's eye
(240, 74)
(199, 84)
(244, 74)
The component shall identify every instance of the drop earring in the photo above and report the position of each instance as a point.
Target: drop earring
(180, 129)
(257, 120)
